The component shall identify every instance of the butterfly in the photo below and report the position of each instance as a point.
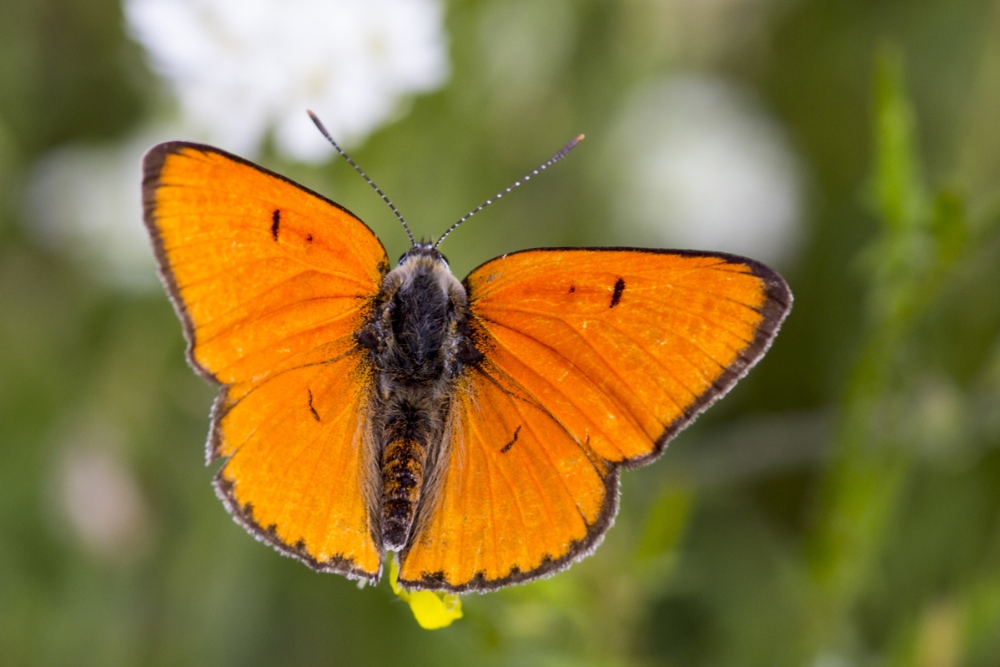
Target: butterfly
(476, 428)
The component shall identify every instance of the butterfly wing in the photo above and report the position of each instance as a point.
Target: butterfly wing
(593, 360)
(272, 281)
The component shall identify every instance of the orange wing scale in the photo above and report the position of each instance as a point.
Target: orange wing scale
(517, 493)
(272, 281)
(298, 458)
(594, 359)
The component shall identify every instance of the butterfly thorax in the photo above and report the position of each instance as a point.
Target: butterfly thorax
(418, 337)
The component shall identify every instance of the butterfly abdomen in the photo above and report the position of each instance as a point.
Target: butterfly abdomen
(403, 473)
(411, 432)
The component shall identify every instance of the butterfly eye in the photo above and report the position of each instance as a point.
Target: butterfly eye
(423, 250)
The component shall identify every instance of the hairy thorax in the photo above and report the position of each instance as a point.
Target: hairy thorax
(419, 341)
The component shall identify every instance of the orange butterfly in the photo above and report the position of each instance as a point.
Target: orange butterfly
(475, 428)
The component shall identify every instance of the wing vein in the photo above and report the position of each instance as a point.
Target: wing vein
(558, 473)
(624, 410)
(235, 324)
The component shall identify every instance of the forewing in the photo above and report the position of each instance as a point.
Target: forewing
(600, 357)
(272, 282)
(262, 271)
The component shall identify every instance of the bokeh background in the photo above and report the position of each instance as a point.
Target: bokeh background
(841, 507)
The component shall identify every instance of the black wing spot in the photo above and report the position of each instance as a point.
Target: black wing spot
(275, 223)
(506, 448)
(617, 296)
(572, 288)
(311, 408)
(309, 238)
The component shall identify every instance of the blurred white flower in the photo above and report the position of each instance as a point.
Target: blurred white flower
(100, 498)
(707, 169)
(84, 201)
(245, 68)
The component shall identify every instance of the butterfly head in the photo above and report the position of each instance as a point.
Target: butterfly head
(423, 253)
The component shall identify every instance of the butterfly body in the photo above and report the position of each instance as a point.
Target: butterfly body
(419, 342)
(476, 428)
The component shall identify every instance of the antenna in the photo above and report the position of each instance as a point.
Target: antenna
(545, 165)
(358, 169)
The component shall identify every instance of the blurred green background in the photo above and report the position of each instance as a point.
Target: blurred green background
(841, 507)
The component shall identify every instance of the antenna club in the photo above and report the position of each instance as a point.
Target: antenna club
(545, 165)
